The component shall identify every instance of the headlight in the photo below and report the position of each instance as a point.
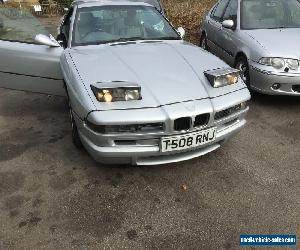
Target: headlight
(222, 77)
(116, 91)
(132, 94)
(279, 63)
(292, 64)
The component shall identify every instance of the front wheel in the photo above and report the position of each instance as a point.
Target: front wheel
(75, 135)
(203, 42)
(242, 65)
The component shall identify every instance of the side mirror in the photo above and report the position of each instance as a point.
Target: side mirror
(46, 40)
(228, 24)
(181, 32)
(61, 39)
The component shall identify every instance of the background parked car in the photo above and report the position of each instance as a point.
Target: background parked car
(259, 37)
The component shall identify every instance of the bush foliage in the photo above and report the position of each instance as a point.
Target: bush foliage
(65, 3)
(188, 14)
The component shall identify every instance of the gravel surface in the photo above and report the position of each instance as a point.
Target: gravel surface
(53, 196)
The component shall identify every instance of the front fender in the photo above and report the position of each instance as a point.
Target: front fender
(79, 98)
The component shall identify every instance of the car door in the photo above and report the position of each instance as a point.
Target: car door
(214, 26)
(24, 64)
(227, 37)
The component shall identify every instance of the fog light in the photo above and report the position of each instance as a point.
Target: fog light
(276, 86)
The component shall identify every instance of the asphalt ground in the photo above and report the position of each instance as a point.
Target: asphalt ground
(53, 196)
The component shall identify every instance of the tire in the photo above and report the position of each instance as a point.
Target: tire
(242, 65)
(75, 135)
(203, 42)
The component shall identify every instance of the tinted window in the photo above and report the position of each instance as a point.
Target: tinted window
(105, 24)
(65, 28)
(219, 10)
(270, 14)
(293, 6)
(231, 11)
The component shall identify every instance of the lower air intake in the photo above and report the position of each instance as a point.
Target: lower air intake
(296, 88)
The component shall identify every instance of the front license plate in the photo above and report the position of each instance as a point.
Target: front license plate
(191, 140)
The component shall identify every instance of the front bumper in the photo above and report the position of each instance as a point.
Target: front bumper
(263, 81)
(145, 150)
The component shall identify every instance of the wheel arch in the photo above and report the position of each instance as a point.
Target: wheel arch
(202, 36)
(238, 55)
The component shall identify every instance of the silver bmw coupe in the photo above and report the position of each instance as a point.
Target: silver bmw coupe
(138, 94)
(259, 37)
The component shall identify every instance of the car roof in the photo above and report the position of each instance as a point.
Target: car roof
(154, 3)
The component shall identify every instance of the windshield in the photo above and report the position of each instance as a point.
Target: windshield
(270, 14)
(105, 24)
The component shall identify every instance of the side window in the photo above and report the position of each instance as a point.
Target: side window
(18, 24)
(231, 11)
(219, 10)
(65, 28)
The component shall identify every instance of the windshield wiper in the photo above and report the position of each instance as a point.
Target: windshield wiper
(167, 38)
(123, 39)
(131, 39)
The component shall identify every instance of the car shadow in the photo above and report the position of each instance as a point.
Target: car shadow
(274, 100)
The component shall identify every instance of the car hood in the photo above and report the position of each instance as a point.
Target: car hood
(278, 42)
(168, 72)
